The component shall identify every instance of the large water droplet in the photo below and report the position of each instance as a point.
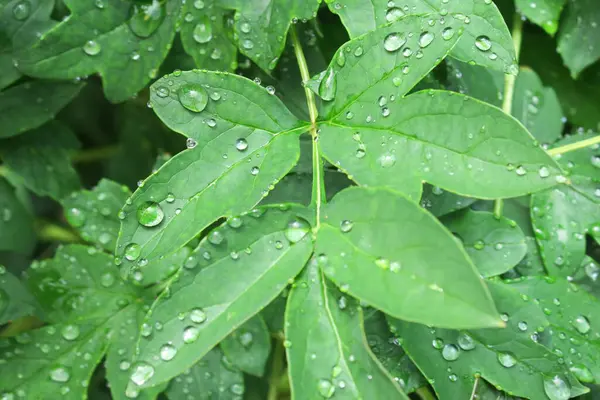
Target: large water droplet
(346, 226)
(246, 339)
(466, 342)
(393, 14)
(190, 334)
(92, 48)
(296, 230)
(216, 238)
(70, 332)
(60, 374)
(326, 388)
(21, 10)
(448, 33)
(425, 39)
(197, 315)
(507, 360)
(483, 43)
(142, 373)
(132, 251)
(150, 214)
(168, 352)
(556, 388)
(193, 97)
(146, 18)
(241, 144)
(76, 217)
(582, 324)
(582, 373)
(203, 30)
(387, 160)
(394, 41)
(450, 352)
(328, 85)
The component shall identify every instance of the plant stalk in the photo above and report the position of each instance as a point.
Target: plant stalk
(509, 88)
(276, 370)
(425, 394)
(318, 193)
(49, 232)
(575, 146)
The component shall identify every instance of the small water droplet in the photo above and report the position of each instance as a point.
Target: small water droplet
(92, 48)
(146, 18)
(507, 360)
(203, 32)
(167, 352)
(346, 226)
(70, 332)
(394, 14)
(60, 374)
(21, 10)
(76, 217)
(197, 315)
(483, 43)
(466, 342)
(326, 388)
(582, 373)
(193, 97)
(450, 352)
(296, 230)
(448, 33)
(132, 251)
(387, 160)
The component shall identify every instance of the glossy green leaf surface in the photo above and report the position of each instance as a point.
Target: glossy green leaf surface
(248, 347)
(440, 202)
(236, 270)
(206, 36)
(495, 245)
(574, 317)
(42, 159)
(532, 264)
(261, 27)
(123, 42)
(544, 13)
(31, 104)
(15, 299)
(383, 139)
(209, 378)
(375, 242)
(510, 358)
(231, 152)
(486, 40)
(94, 213)
(16, 222)
(564, 215)
(577, 42)
(326, 348)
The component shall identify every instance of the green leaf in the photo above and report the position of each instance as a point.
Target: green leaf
(206, 36)
(562, 216)
(449, 140)
(238, 269)
(495, 245)
(231, 152)
(94, 212)
(124, 42)
(375, 242)
(440, 202)
(574, 317)
(577, 42)
(32, 104)
(21, 24)
(509, 358)
(472, 80)
(386, 348)
(261, 27)
(544, 13)
(248, 347)
(15, 299)
(42, 159)
(486, 40)
(586, 276)
(16, 222)
(532, 264)
(326, 347)
(209, 378)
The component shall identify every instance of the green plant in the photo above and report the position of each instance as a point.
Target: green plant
(383, 229)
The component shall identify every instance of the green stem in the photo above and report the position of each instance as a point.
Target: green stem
(276, 370)
(95, 154)
(509, 87)
(49, 232)
(21, 325)
(425, 394)
(318, 184)
(575, 146)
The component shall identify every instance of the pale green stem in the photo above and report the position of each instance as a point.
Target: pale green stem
(575, 146)
(276, 370)
(425, 394)
(509, 88)
(48, 232)
(318, 185)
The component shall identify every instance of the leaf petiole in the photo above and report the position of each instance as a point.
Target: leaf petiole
(575, 146)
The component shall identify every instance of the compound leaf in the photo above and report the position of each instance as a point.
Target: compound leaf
(495, 245)
(231, 152)
(237, 270)
(577, 42)
(327, 350)
(124, 42)
(32, 104)
(486, 40)
(453, 359)
(375, 242)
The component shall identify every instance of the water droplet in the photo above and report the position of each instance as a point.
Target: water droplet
(246, 339)
(162, 91)
(60, 374)
(395, 266)
(544, 172)
(582, 373)
(76, 217)
(394, 14)
(142, 373)
(387, 160)
(522, 325)
(146, 18)
(341, 59)
(346, 226)
(167, 352)
(507, 360)
(70, 332)
(450, 352)
(466, 342)
(437, 343)
(237, 388)
(132, 251)
(521, 170)
(190, 143)
(448, 33)
(248, 44)
(582, 324)
(193, 97)
(326, 388)
(150, 214)
(124, 365)
(394, 41)
(203, 30)
(216, 238)
(483, 43)
(360, 153)
(328, 85)
(425, 39)
(556, 388)
(21, 10)
(92, 48)
(296, 230)
(359, 51)
(197, 315)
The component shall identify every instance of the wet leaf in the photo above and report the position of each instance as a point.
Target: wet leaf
(16, 222)
(544, 13)
(248, 347)
(577, 40)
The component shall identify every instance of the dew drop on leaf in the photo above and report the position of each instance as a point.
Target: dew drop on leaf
(466, 342)
(132, 251)
(146, 18)
(76, 217)
(296, 230)
(60, 374)
(246, 339)
(167, 352)
(522, 325)
(142, 373)
(203, 30)
(507, 360)
(197, 315)
(387, 160)
(394, 41)
(346, 226)
(483, 43)
(21, 10)
(150, 214)
(241, 144)
(92, 48)
(254, 171)
(425, 39)
(326, 388)
(437, 343)
(190, 143)
(193, 97)
(393, 14)
(70, 332)
(448, 33)
(450, 352)
(557, 388)
(216, 238)
(328, 85)
(582, 373)
(190, 334)
(582, 324)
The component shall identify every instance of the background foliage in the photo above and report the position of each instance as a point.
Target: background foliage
(244, 199)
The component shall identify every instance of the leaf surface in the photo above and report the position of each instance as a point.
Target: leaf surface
(237, 270)
(375, 242)
(232, 152)
(453, 359)
(16, 222)
(326, 347)
(249, 346)
(545, 13)
(577, 42)
(15, 299)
